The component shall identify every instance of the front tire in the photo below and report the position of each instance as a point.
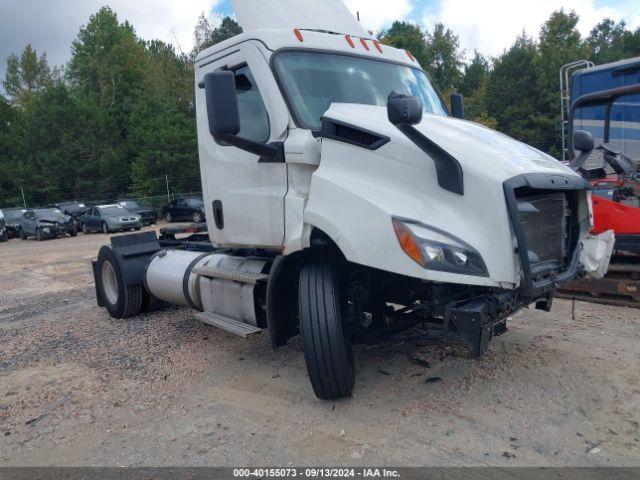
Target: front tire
(23, 236)
(39, 235)
(120, 300)
(105, 228)
(327, 349)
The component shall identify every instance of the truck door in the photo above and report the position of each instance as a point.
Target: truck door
(244, 199)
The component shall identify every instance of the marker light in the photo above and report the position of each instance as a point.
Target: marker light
(410, 55)
(377, 45)
(298, 34)
(364, 44)
(408, 242)
(350, 41)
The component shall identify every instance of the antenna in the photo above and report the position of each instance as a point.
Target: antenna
(175, 37)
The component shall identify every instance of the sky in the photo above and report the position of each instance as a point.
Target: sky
(488, 26)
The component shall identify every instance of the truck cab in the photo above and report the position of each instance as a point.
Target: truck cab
(345, 203)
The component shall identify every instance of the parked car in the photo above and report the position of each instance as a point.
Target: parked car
(45, 223)
(73, 209)
(4, 236)
(148, 214)
(190, 209)
(12, 218)
(109, 218)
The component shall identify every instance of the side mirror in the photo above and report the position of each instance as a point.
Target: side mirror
(224, 117)
(457, 105)
(222, 103)
(583, 141)
(404, 109)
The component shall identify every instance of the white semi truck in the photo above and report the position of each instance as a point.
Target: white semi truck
(345, 203)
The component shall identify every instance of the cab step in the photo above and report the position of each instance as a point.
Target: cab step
(228, 324)
(234, 276)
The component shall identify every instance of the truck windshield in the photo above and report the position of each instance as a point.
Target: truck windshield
(313, 81)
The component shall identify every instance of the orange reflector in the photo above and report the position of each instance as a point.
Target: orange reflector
(298, 34)
(377, 45)
(350, 41)
(410, 55)
(408, 242)
(364, 44)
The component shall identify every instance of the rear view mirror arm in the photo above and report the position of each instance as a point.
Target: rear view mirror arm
(268, 152)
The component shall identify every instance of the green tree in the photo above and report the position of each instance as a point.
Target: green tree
(26, 74)
(512, 96)
(609, 41)
(207, 35)
(475, 74)
(407, 36)
(444, 57)
(560, 43)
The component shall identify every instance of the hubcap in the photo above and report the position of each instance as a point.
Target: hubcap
(109, 283)
(197, 218)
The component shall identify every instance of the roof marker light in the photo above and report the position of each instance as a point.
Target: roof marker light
(350, 41)
(298, 34)
(364, 44)
(377, 45)
(410, 55)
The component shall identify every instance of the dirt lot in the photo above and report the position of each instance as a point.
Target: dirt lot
(78, 388)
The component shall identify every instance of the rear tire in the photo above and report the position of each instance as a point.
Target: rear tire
(327, 350)
(5, 237)
(74, 232)
(167, 217)
(84, 228)
(121, 301)
(151, 303)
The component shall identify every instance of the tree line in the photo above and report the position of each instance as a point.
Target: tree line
(120, 116)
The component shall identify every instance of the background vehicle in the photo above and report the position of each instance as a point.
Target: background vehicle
(605, 106)
(345, 204)
(189, 209)
(12, 218)
(147, 214)
(74, 209)
(46, 223)
(4, 236)
(110, 218)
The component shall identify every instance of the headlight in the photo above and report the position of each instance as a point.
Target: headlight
(442, 251)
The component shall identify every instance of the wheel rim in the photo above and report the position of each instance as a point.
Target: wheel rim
(197, 218)
(109, 283)
(167, 217)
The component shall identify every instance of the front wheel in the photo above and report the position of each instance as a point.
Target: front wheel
(327, 348)
(23, 236)
(39, 235)
(197, 217)
(105, 227)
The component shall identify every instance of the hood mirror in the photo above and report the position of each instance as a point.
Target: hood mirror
(457, 106)
(583, 141)
(404, 109)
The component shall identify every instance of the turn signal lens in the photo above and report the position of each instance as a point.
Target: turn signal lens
(298, 34)
(408, 242)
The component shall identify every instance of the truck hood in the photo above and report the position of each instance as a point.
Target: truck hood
(479, 150)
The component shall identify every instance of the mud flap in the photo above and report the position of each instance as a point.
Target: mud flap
(596, 254)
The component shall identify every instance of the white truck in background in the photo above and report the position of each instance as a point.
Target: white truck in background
(344, 203)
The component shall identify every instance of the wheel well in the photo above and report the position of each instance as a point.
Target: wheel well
(282, 289)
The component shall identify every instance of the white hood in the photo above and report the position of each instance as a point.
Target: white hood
(479, 149)
(330, 15)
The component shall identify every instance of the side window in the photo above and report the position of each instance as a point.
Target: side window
(254, 120)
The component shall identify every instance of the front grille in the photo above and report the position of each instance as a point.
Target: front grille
(545, 227)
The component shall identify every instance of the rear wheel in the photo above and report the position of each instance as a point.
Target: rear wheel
(5, 236)
(197, 217)
(84, 228)
(74, 231)
(122, 301)
(167, 217)
(327, 349)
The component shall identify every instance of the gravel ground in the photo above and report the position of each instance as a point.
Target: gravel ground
(78, 388)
